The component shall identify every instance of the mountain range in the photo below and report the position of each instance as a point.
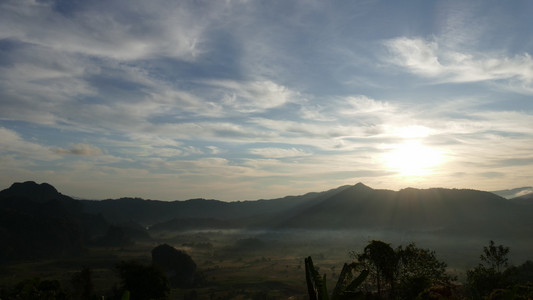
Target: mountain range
(40, 220)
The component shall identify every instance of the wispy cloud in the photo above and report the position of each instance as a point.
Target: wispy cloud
(430, 59)
(255, 96)
(240, 96)
(12, 143)
(79, 149)
(279, 152)
(136, 31)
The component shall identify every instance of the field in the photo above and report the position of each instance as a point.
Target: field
(247, 264)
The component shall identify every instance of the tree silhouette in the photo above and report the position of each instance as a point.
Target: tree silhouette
(143, 282)
(418, 270)
(403, 273)
(488, 276)
(177, 265)
(495, 256)
(83, 284)
(36, 289)
(381, 260)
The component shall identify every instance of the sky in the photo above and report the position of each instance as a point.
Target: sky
(244, 100)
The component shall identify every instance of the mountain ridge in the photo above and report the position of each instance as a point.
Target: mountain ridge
(442, 210)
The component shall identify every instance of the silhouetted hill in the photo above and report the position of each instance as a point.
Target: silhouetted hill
(526, 199)
(434, 210)
(430, 210)
(31, 190)
(245, 213)
(514, 193)
(36, 221)
(437, 210)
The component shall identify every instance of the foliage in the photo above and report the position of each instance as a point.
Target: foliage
(142, 282)
(418, 270)
(517, 291)
(178, 265)
(519, 274)
(344, 289)
(403, 273)
(36, 289)
(83, 284)
(488, 276)
(382, 262)
(481, 281)
(495, 256)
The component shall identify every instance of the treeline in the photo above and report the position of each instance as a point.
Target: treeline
(170, 268)
(382, 272)
(378, 271)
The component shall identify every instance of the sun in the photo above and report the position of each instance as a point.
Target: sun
(412, 159)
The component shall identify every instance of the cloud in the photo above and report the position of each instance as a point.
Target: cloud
(38, 83)
(417, 55)
(12, 143)
(79, 149)
(271, 152)
(363, 105)
(433, 60)
(253, 96)
(215, 150)
(122, 30)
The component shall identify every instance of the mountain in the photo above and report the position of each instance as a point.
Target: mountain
(37, 221)
(38, 193)
(526, 199)
(514, 193)
(436, 210)
(245, 213)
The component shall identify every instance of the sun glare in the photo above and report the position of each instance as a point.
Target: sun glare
(412, 159)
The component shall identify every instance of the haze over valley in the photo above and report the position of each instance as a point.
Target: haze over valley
(393, 136)
(39, 224)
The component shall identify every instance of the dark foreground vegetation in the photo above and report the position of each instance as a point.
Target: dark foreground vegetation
(381, 272)
(378, 271)
(56, 247)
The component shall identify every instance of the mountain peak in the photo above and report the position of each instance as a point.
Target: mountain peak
(362, 186)
(33, 186)
(32, 190)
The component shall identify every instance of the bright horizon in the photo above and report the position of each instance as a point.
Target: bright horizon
(246, 100)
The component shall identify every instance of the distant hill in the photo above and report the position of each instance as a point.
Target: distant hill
(37, 221)
(514, 193)
(40, 193)
(526, 199)
(448, 211)
(245, 213)
(436, 211)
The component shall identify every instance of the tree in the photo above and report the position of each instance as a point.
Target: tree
(36, 289)
(83, 284)
(495, 256)
(142, 282)
(488, 276)
(381, 261)
(418, 270)
(520, 274)
(403, 273)
(178, 265)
